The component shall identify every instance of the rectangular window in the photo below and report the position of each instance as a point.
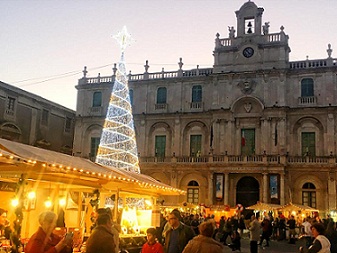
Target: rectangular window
(45, 117)
(309, 198)
(307, 87)
(308, 143)
(195, 145)
(247, 141)
(10, 104)
(196, 93)
(160, 144)
(67, 124)
(193, 195)
(97, 99)
(94, 147)
(161, 95)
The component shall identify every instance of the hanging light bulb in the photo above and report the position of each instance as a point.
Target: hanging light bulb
(62, 201)
(48, 203)
(31, 195)
(15, 202)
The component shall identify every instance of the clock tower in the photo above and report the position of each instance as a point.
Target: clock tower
(253, 48)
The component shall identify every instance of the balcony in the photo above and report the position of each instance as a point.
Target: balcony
(264, 160)
(96, 111)
(196, 105)
(161, 107)
(307, 100)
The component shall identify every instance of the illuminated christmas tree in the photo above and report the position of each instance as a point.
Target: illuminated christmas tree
(117, 146)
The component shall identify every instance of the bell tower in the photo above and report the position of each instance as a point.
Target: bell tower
(254, 47)
(249, 19)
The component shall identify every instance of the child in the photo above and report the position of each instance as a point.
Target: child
(152, 245)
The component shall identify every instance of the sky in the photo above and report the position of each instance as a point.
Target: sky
(44, 44)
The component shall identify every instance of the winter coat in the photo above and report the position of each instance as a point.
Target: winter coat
(254, 228)
(204, 244)
(186, 233)
(39, 243)
(101, 240)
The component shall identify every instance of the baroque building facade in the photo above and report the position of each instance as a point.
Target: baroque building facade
(33, 120)
(254, 127)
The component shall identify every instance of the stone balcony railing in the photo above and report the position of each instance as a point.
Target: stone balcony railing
(307, 100)
(306, 64)
(254, 159)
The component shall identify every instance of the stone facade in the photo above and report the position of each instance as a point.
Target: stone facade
(33, 120)
(254, 127)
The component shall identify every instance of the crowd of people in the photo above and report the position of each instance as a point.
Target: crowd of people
(180, 233)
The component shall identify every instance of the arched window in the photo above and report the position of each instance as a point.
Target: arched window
(197, 93)
(193, 192)
(161, 95)
(309, 195)
(307, 87)
(97, 99)
(131, 96)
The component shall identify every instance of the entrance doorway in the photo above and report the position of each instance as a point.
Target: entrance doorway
(247, 192)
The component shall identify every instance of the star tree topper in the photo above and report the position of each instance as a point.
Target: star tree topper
(123, 38)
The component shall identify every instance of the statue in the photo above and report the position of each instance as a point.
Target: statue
(266, 28)
(231, 32)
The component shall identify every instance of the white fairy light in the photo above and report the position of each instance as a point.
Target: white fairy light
(117, 146)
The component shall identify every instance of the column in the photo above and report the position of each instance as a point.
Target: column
(33, 131)
(282, 189)
(226, 202)
(210, 188)
(265, 188)
(115, 218)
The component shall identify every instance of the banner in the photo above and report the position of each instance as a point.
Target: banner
(219, 186)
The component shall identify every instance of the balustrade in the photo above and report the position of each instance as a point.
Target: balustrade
(239, 159)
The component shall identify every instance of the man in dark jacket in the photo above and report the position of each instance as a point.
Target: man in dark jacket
(101, 239)
(179, 235)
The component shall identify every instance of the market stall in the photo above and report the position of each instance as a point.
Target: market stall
(299, 211)
(265, 208)
(70, 185)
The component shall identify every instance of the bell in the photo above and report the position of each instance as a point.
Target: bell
(249, 24)
(249, 30)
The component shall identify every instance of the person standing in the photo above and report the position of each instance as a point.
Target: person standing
(242, 225)
(44, 240)
(307, 234)
(204, 243)
(178, 235)
(152, 245)
(331, 234)
(292, 226)
(5, 230)
(321, 244)
(254, 228)
(266, 231)
(102, 239)
(195, 224)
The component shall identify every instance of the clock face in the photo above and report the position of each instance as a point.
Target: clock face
(248, 52)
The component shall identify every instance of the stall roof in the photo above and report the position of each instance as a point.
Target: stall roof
(264, 206)
(46, 165)
(297, 207)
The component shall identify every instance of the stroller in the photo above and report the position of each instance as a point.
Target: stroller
(236, 241)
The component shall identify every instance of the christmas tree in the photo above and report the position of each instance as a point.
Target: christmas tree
(117, 146)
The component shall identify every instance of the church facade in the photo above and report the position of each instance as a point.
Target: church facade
(254, 127)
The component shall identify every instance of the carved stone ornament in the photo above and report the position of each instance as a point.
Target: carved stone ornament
(247, 86)
(248, 107)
